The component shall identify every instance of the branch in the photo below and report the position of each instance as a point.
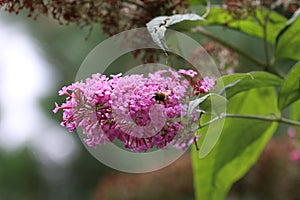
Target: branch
(257, 117)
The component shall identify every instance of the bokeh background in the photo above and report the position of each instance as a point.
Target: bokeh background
(41, 160)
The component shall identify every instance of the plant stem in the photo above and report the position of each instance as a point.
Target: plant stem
(269, 64)
(255, 117)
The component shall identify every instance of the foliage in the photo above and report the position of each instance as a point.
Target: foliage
(253, 113)
(287, 40)
(257, 100)
(290, 90)
(240, 144)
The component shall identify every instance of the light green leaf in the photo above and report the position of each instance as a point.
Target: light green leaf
(158, 26)
(249, 25)
(236, 83)
(239, 146)
(295, 111)
(288, 40)
(290, 90)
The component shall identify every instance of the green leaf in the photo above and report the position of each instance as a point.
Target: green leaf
(236, 83)
(249, 25)
(288, 40)
(295, 111)
(239, 146)
(290, 90)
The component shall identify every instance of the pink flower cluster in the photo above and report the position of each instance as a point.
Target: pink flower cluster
(141, 112)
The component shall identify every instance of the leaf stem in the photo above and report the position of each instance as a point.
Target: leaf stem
(255, 117)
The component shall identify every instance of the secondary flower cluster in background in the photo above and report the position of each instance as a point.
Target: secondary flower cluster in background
(295, 153)
(141, 112)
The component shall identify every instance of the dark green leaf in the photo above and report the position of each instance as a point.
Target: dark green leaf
(236, 83)
(290, 90)
(288, 40)
(239, 146)
(250, 25)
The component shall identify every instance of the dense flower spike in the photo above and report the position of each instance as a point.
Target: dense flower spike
(141, 112)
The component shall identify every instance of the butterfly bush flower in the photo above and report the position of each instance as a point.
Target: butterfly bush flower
(141, 112)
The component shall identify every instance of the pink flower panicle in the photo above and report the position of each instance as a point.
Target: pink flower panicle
(124, 108)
